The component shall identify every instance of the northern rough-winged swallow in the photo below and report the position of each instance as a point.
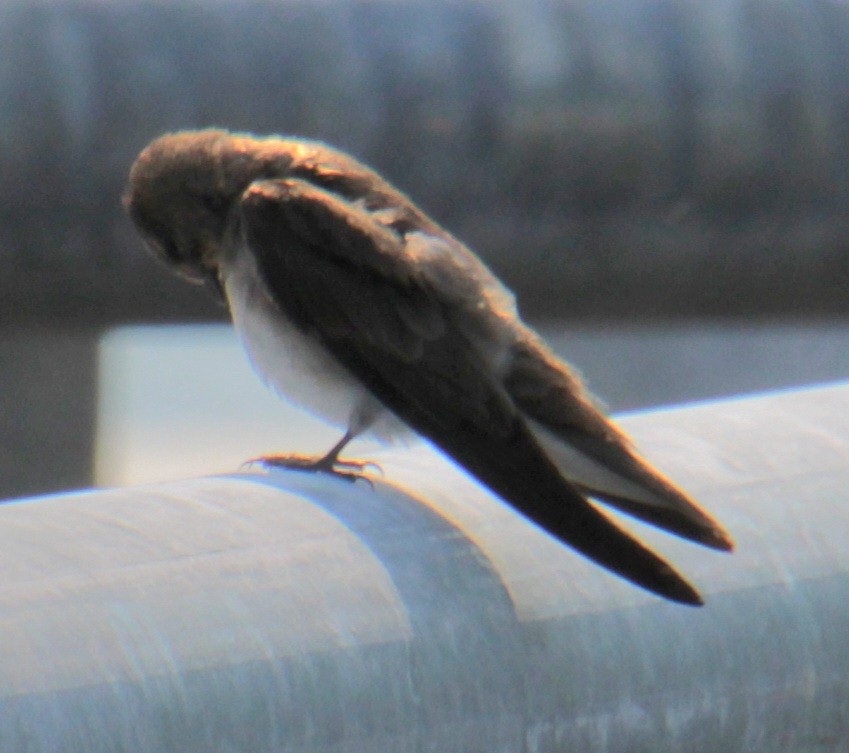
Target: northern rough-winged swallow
(354, 303)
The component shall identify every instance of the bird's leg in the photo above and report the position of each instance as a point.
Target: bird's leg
(327, 463)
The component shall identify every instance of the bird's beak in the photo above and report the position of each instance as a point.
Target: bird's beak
(206, 276)
(212, 279)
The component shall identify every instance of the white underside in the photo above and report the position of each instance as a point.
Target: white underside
(292, 364)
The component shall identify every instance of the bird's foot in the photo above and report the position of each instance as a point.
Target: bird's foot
(350, 470)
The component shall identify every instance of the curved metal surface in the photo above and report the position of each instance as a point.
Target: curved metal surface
(286, 612)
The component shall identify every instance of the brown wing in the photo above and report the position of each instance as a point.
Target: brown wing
(347, 279)
(595, 454)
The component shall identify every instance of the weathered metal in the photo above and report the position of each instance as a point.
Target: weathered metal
(288, 612)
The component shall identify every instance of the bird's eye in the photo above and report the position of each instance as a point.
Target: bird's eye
(171, 251)
(214, 203)
(163, 247)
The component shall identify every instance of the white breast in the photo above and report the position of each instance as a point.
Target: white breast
(291, 363)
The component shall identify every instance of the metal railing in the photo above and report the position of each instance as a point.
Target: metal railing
(287, 612)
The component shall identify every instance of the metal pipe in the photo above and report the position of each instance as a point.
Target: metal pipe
(287, 612)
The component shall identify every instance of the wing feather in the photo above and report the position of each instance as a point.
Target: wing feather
(341, 275)
(594, 453)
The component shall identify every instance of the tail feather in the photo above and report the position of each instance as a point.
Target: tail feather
(593, 453)
(614, 473)
(521, 473)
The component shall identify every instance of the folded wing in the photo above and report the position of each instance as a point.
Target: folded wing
(594, 453)
(347, 278)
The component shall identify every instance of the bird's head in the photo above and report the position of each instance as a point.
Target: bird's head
(183, 187)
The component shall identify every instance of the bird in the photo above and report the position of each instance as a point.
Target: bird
(353, 303)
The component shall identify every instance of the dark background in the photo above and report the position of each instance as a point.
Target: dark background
(616, 161)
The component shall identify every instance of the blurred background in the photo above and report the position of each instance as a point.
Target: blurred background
(664, 183)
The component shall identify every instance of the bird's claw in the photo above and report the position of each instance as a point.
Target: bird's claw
(350, 470)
